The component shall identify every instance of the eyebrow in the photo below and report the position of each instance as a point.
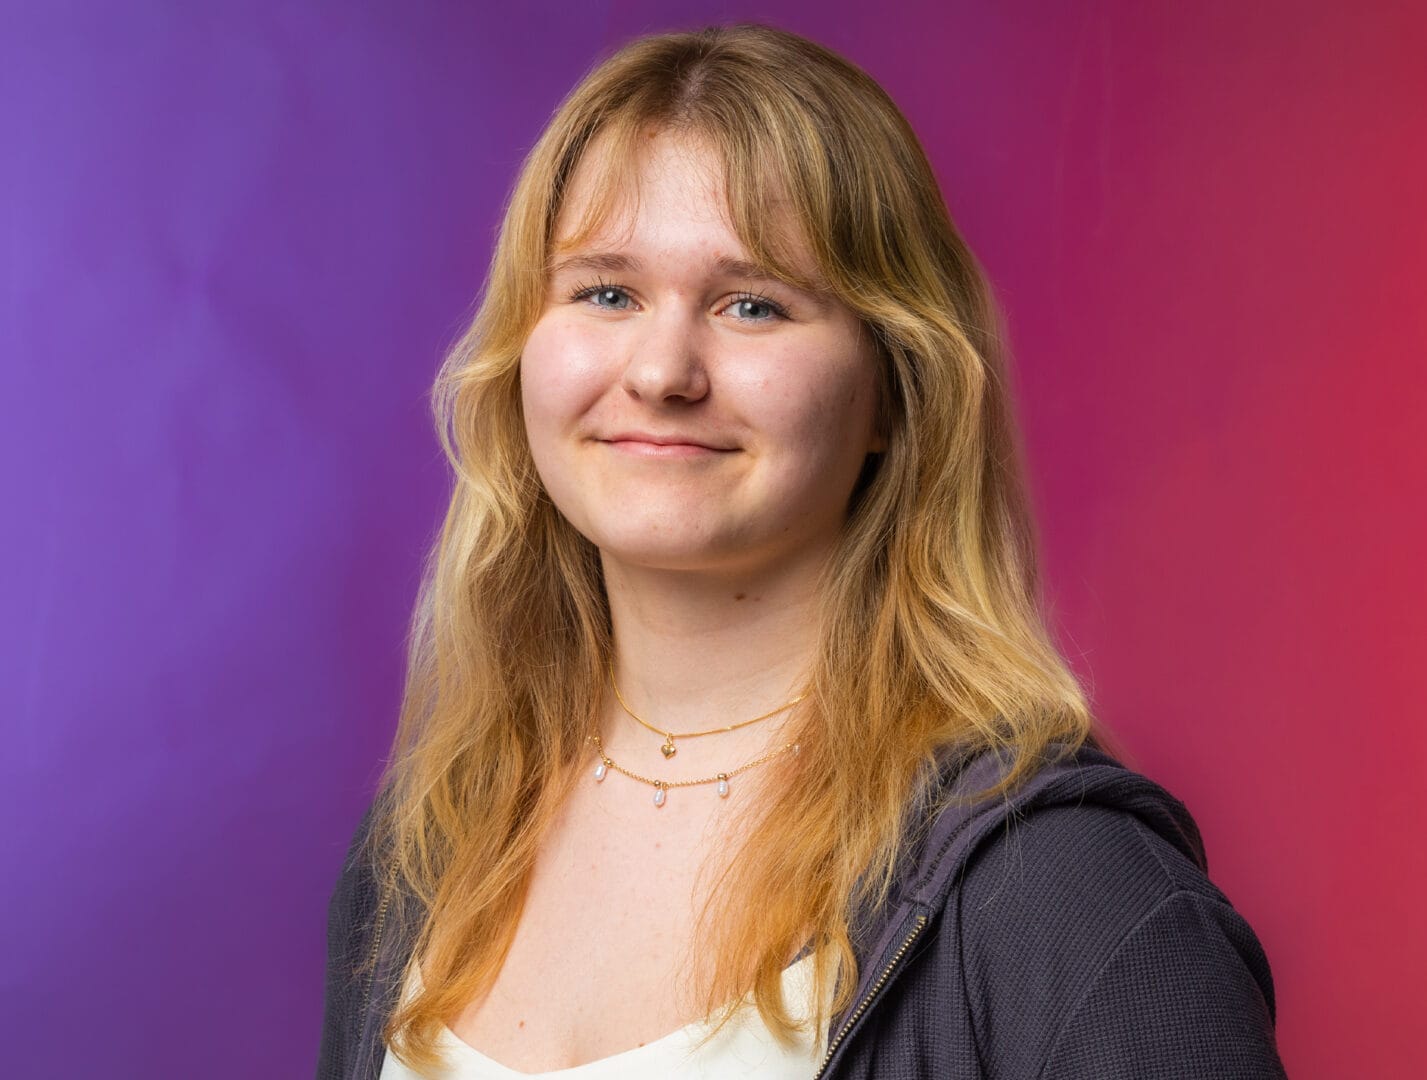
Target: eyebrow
(618, 263)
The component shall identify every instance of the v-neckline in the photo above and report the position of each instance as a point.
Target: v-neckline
(609, 1067)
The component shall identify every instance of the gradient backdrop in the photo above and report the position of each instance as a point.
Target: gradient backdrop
(237, 238)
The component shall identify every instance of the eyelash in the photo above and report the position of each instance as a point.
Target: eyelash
(780, 311)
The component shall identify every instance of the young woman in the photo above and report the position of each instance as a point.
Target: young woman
(732, 742)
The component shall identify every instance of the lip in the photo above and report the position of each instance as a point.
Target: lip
(648, 444)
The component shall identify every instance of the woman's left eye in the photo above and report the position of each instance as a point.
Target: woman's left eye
(773, 309)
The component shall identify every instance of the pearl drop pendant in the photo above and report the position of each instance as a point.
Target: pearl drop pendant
(600, 771)
(723, 785)
(659, 796)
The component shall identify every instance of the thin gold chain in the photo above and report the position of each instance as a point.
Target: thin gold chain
(609, 762)
(694, 734)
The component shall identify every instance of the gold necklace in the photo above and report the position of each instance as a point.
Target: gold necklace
(662, 786)
(669, 749)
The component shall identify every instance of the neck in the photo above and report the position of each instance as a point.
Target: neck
(698, 651)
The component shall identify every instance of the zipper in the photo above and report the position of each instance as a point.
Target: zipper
(872, 993)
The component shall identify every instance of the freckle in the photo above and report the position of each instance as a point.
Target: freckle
(656, 843)
(520, 1023)
(738, 596)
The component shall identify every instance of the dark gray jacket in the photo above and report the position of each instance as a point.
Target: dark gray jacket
(1071, 931)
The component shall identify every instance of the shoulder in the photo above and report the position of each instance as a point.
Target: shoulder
(353, 896)
(1090, 938)
(1067, 878)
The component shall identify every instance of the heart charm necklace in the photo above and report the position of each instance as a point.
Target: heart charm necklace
(668, 749)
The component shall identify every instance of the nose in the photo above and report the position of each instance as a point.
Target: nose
(667, 361)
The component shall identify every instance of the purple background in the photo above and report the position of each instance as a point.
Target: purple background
(237, 238)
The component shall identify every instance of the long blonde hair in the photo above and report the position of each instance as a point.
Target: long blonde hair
(930, 635)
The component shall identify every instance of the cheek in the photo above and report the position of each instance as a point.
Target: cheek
(823, 404)
(561, 376)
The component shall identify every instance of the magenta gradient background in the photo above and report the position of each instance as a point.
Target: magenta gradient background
(238, 236)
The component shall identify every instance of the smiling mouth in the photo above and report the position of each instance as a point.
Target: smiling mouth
(640, 448)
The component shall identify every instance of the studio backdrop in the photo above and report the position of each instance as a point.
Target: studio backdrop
(237, 238)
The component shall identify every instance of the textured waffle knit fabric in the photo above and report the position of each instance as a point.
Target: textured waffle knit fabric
(1070, 931)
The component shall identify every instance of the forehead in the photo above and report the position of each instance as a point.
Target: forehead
(612, 181)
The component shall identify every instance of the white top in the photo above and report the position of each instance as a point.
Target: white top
(745, 1048)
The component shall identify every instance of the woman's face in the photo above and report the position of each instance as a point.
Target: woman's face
(683, 411)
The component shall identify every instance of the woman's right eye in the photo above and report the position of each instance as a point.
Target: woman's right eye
(605, 296)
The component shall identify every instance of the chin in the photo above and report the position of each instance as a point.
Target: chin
(666, 553)
(653, 549)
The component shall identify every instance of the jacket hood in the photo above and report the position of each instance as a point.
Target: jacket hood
(1088, 775)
